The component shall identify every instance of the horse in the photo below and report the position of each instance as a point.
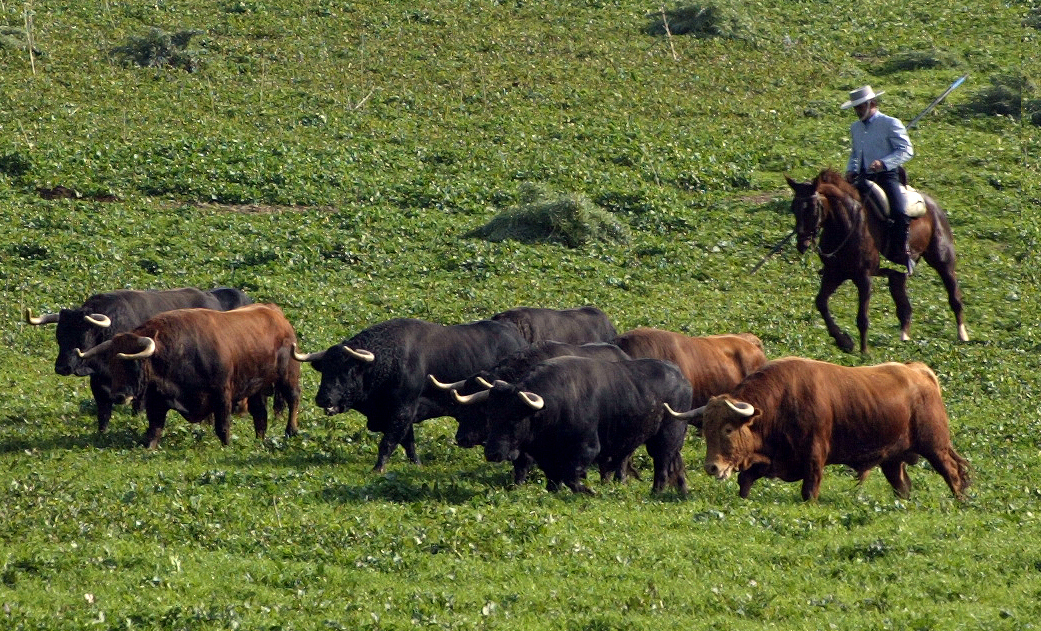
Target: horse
(850, 241)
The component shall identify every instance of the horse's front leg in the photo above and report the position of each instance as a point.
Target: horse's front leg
(829, 284)
(863, 284)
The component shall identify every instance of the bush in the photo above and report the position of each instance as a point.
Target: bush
(1004, 96)
(15, 164)
(921, 60)
(709, 20)
(572, 220)
(159, 48)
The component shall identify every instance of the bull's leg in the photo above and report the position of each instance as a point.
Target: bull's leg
(291, 395)
(811, 483)
(257, 406)
(522, 467)
(829, 283)
(896, 473)
(747, 478)
(409, 443)
(863, 284)
(399, 433)
(101, 392)
(953, 468)
(222, 417)
(155, 412)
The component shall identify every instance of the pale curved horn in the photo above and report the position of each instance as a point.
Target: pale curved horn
(147, 351)
(484, 382)
(98, 319)
(468, 399)
(533, 400)
(94, 350)
(307, 357)
(47, 318)
(361, 354)
(445, 386)
(742, 408)
(689, 414)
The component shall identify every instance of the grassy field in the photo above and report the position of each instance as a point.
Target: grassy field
(331, 157)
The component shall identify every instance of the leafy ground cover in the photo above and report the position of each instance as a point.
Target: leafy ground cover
(332, 157)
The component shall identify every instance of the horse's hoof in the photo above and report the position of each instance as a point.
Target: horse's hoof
(845, 343)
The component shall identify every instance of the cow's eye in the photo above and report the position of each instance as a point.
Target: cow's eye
(727, 430)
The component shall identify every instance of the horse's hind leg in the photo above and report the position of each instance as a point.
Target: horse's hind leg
(898, 290)
(828, 286)
(950, 283)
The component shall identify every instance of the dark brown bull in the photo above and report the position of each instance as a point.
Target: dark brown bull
(794, 416)
(713, 364)
(200, 362)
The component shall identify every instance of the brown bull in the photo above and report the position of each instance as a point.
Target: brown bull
(201, 362)
(713, 364)
(794, 416)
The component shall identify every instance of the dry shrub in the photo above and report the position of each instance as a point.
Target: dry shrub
(158, 48)
(571, 220)
(921, 60)
(709, 20)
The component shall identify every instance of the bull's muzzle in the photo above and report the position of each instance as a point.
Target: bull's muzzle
(718, 471)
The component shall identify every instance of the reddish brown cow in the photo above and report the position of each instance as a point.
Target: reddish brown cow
(713, 364)
(200, 362)
(794, 416)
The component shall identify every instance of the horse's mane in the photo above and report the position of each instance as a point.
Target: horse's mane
(833, 177)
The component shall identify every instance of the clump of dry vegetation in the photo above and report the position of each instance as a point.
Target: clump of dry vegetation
(572, 220)
(157, 48)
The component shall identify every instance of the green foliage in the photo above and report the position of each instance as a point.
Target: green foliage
(1004, 96)
(330, 157)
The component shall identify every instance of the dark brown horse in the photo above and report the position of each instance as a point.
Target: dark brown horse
(849, 239)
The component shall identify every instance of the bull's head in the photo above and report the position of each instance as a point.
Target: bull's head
(806, 207)
(78, 330)
(473, 427)
(343, 375)
(126, 354)
(730, 441)
(507, 410)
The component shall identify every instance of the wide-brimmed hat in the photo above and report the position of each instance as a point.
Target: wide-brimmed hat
(863, 94)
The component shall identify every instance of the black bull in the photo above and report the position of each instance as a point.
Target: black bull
(570, 412)
(102, 316)
(382, 372)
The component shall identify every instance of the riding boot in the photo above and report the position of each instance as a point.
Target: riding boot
(901, 246)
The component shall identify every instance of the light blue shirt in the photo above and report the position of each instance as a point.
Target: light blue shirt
(880, 138)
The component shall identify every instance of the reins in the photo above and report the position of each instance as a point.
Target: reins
(818, 205)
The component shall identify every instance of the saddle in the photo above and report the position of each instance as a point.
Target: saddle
(876, 200)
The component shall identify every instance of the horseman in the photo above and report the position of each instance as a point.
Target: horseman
(880, 146)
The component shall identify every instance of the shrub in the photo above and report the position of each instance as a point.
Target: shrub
(710, 20)
(158, 48)
(572, 220)
(921, 60)
(15, 164)
(1004, 96)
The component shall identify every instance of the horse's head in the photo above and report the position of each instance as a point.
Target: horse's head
(806, 206)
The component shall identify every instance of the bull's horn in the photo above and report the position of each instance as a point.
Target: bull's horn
(689, 414)
(47, 318)
(484, 382)
(445, 386)
(98, 319)
(147, 351)
(306, 357)
(468, 399)
(533, 400)
(742, 408)
(363, 355)
(94, 350)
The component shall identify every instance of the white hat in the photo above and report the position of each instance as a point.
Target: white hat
(862, 94)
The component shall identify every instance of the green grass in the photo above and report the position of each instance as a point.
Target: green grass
(332, 157)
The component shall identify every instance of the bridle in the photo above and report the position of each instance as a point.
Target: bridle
(814, 202)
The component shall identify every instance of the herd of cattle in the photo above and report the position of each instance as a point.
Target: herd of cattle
(557, 389)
